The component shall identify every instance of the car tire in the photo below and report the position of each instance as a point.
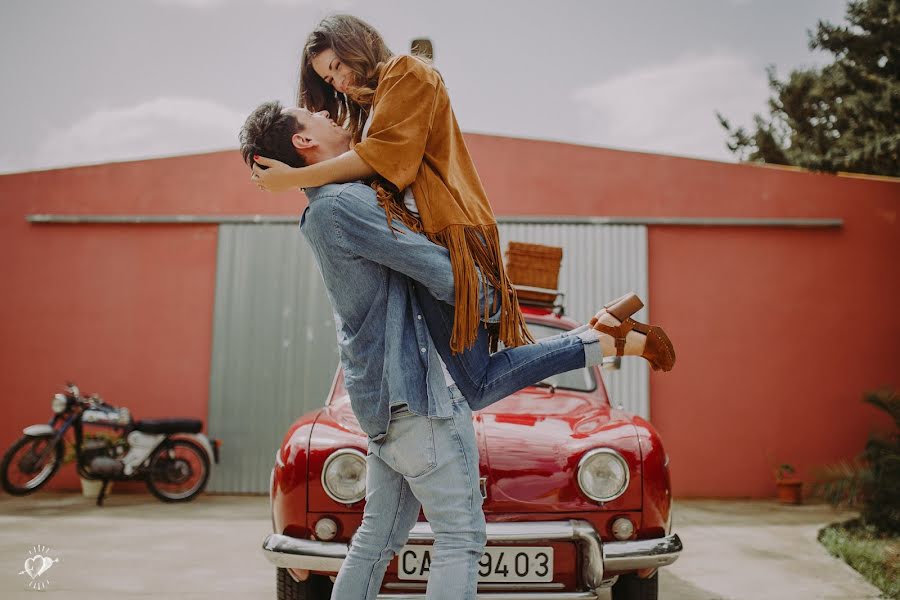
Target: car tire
(317, 587)
(631, 587)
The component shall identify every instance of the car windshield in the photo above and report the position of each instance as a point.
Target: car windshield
(581, 380)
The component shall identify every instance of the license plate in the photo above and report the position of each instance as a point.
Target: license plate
(515, 564)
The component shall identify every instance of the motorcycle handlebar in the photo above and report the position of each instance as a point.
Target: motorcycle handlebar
(92, 400)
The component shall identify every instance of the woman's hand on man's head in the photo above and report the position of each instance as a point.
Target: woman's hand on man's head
(280, 177)
(276, 177)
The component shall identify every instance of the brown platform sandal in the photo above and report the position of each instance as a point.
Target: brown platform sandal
(622, 308)
(658, 349)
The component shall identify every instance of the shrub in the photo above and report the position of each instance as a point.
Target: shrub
(871, 481)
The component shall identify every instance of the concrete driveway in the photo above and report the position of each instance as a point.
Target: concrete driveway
(750, 550)
(138, 547)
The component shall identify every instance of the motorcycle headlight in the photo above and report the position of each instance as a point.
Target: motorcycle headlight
(603, 474)
(59, 402)
(344, 476)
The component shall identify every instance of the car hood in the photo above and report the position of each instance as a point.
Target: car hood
(529, 446)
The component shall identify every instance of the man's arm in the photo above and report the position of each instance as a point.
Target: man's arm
(361, 227)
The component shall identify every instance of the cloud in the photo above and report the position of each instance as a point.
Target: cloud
(14, 162)
(670, 108)
(202, 4)
(161, 127)
(336, 5)
(193, 3)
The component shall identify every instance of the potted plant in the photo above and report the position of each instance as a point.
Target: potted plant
(790, 488)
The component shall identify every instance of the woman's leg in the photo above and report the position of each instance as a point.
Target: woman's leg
(485, 378)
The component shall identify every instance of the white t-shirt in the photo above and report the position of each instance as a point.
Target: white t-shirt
(410, 201)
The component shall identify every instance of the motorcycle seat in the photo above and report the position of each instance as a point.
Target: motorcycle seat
(169, 425)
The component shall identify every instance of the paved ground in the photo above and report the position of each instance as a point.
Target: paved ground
(138, 547)
(752, 550)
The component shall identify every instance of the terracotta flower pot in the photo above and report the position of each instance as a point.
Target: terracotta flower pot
(790, 491)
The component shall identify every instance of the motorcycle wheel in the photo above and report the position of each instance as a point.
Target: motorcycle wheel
(179, 470)
(21, 458)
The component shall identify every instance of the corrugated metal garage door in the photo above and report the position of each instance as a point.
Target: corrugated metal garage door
(274, 349)
(600, 263)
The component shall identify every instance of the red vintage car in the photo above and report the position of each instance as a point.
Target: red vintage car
(584, 506)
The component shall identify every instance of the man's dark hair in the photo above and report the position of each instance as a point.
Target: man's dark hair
(267, 132)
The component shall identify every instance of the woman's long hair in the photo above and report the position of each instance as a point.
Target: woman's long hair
(359, 46)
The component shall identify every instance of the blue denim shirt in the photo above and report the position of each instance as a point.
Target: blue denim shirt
(386, 351)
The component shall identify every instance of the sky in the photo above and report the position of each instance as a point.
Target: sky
(95, 81)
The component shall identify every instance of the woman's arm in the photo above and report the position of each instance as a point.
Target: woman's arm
(280, 177)
(395, 146)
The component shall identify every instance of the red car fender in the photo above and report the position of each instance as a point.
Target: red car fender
(289, 484)
(656, 484)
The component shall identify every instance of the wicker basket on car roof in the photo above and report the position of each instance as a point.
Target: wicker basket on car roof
(534, 265)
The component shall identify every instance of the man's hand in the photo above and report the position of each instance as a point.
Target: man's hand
(279, 177)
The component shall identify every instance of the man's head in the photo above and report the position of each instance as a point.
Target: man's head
(294, 136)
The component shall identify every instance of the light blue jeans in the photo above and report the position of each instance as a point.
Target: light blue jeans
(424, 463)
(432, 463)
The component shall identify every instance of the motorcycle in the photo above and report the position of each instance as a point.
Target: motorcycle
(170, 455)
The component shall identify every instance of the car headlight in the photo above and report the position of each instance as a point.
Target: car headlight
(59, 403)
(344, 476)
(603, 474)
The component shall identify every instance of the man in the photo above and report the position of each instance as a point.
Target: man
(388, 290)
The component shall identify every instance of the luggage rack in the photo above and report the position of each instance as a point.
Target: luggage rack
(541, 298)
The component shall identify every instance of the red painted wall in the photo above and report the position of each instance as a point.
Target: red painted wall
(778, 331)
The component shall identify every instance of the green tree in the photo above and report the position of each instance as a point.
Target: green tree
(844, 116)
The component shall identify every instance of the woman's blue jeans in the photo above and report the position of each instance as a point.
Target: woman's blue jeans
(485, 378)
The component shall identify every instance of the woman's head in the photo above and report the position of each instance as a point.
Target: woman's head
(342, 59)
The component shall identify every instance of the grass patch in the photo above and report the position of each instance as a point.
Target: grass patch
(875, 556)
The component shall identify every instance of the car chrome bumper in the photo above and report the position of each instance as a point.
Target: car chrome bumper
(597, 557)
(505, 596)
